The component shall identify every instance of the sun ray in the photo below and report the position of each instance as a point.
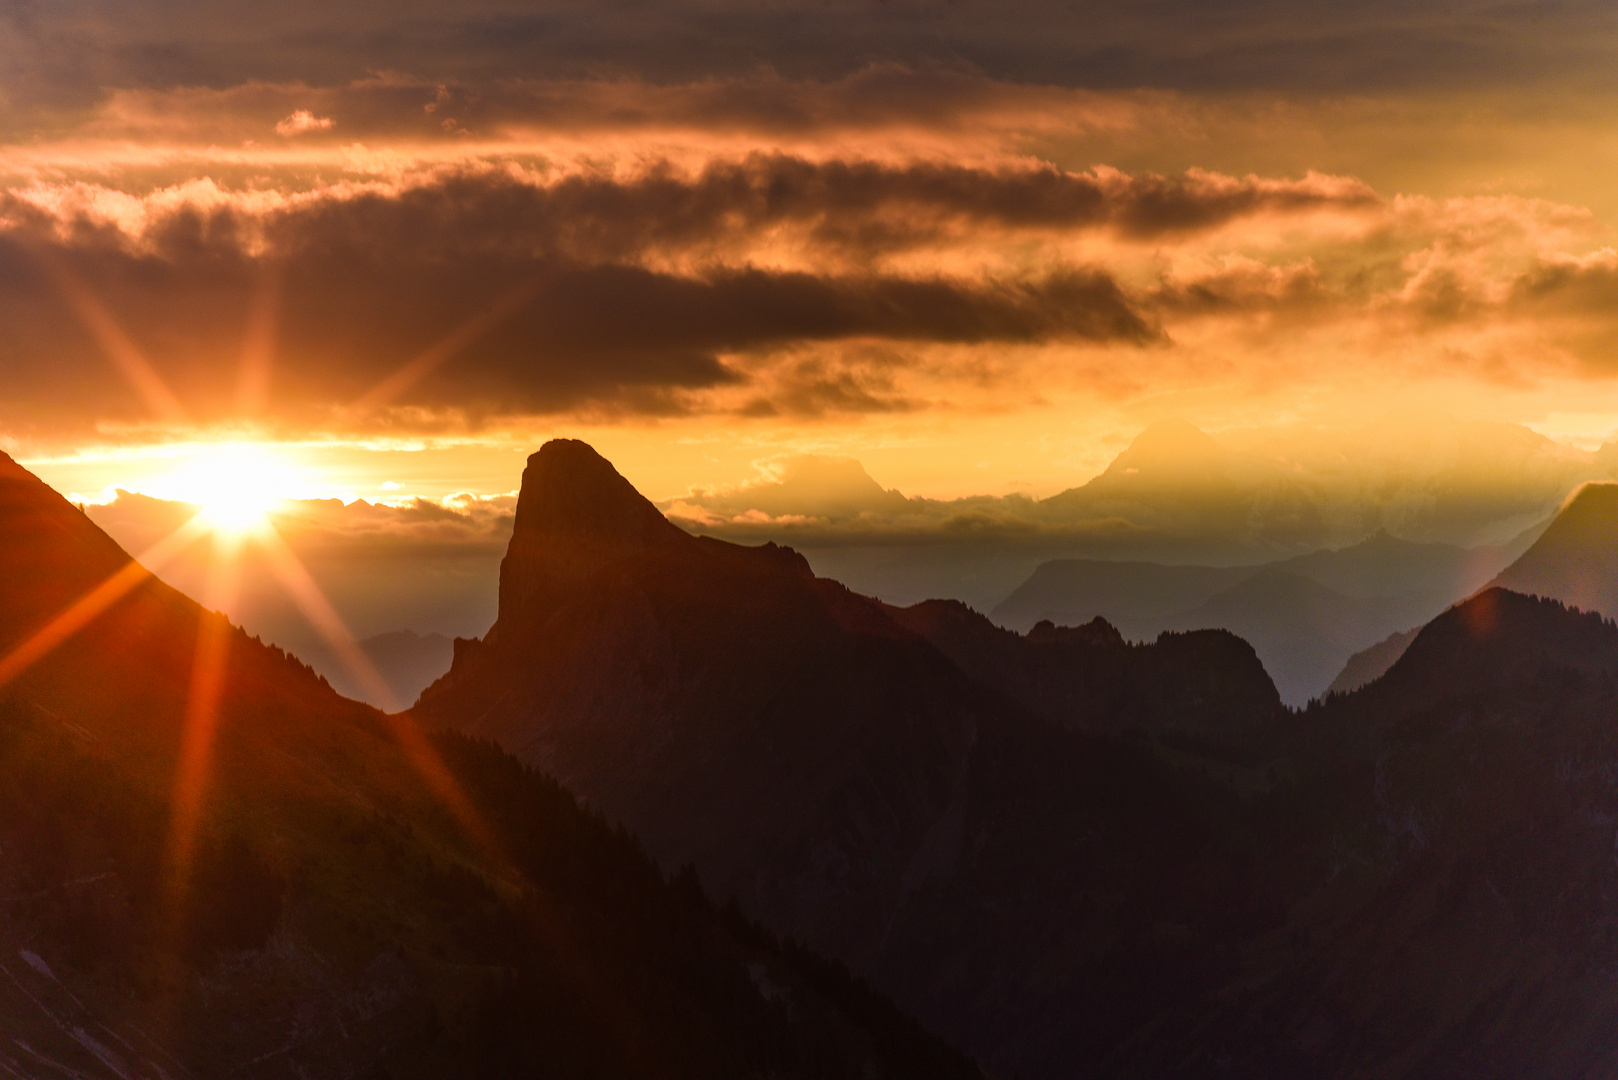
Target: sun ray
(99, 599)
(258, 345)
(114, 342)
(201, 715)
(306, 593)
(424, 363)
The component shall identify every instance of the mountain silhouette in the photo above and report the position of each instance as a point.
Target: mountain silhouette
(845, 768)
(343, 896)
(1081, 856)
(1205, 685)
(1305, 616)
(1575, 559)
(1498, 639)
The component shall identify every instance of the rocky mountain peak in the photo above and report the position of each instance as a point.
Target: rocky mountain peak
(571, 493)
(575, 512)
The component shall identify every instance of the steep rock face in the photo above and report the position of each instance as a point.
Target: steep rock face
(574, 515)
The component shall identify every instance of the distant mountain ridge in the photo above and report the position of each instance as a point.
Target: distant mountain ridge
(1305, 615)
(1205, 685)
(1370, 663)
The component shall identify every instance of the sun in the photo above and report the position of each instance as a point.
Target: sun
(233, 485)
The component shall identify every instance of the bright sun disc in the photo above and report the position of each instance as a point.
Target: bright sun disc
(234, 485)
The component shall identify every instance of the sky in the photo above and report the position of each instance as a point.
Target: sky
(976, 248)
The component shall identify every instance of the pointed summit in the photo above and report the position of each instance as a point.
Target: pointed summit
(1170, 450)
(571, 493)
(574, 513)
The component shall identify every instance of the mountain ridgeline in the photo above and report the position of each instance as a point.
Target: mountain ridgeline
(1306, 616)
(345, 897)
(1072, 855)
(1077, 855)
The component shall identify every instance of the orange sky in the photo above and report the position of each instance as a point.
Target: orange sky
(976, 249)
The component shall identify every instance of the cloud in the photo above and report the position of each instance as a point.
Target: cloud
(302, 121)
(61, 53)
(449, 296)
(602, 310)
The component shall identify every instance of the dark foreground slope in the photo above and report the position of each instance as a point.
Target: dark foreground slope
(1082, 858)
(333, 917)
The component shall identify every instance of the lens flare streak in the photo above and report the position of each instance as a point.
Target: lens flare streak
(442, 351)
(306, 593)
(99, 599)
(201, 715)
(113, 340)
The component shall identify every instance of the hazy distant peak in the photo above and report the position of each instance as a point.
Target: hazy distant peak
(819, 471)
(794, 490)
(1372, 663)
(1381, 544)
(1169, 457)
(1172, 445)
